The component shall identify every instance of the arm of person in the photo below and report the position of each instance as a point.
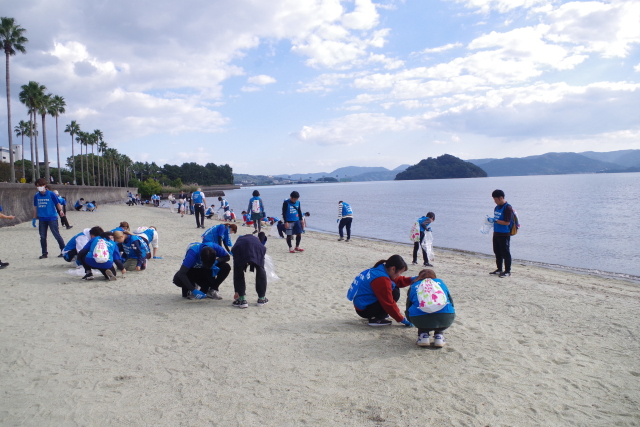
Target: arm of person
(382, 289)
(284, 212)
(339, 211)
(302, 221)
(6, 216)
(508, 213)
(60, 210)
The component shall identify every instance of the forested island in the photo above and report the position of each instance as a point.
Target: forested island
(443, 167)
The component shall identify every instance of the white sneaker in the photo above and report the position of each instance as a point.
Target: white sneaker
(424, 340)
(213, 294)
(439, 340)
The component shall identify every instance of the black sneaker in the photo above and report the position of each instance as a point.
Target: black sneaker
(240, 303)
(43, 256)
(88, 276)
(60, 256)
(505, 274)
(426, 264)
(348, 240)
(496, 272)
(70, 227)
(379, 322)
(262, 301)
(3, 264)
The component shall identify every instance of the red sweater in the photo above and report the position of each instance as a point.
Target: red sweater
(382, 289)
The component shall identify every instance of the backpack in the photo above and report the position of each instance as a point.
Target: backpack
(101, 252)
(515, 225)
(415, 232)
(431, 296)
(255, 206)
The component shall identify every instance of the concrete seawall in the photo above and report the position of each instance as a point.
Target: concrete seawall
(17, 199)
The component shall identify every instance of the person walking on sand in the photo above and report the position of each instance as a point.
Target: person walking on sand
(292, 214)
(424, 223)
(3, 216)
(502, 220)
(172, 201)
(256, 209)
(46, 208)
(345, 217)
(249, 251)
(375, 291)
(63, 219)
(199, 202)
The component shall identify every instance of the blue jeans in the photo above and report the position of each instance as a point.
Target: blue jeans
(53, 226)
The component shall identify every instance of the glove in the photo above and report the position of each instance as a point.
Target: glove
(157, 257)
(406, 323)
(337, 220)
(33, 222)
(491, 220)
(198, 294)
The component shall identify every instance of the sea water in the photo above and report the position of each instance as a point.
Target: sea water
(586, 221)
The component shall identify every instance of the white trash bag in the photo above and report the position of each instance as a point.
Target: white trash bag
(427, 245)
(274, 230)
(80, 271)
(269, 267)
(487, 225)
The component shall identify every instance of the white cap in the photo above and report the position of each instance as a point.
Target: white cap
(55, 192)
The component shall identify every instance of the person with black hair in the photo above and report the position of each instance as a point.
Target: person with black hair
(91, 257)
(79, 204)
(46, 208)
(375, 291)
(249, 251)
(425, 227)
(502, 220)
(256, 209)
(204, 268)
(293, 220)
(345, 217)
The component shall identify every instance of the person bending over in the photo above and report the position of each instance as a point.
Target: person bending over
(219, 234)
(101, 253)
(135, 249)
(150, 235)
(249, 252)
(204, 268)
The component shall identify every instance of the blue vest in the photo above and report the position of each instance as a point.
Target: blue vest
(414, 311)
(197, 197)
(361, 292)
(212, 234)
(498, 214)
(346, 209)
(111, 246)
(292, 212)
(128, 250)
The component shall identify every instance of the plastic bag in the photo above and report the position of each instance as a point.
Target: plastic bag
(274, 230)
(487, 225)
(270, 269)
(427, 245)
(80, 271)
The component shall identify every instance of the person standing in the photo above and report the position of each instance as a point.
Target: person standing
(345, 217)
(199, 202)
(3, 216)
(182, 201)
(425, 227)
(256, 209)
(249, 251)
(502, 220)
(172, 201)
(46, 207)
(293, 224)
(64, 220)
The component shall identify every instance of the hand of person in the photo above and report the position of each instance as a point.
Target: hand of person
(406, 323)
(33, 222)
(137, 268)
(338, 220)
(124, 270)
(286, 225)
(11, 217)
(491, 220)
(198, 294)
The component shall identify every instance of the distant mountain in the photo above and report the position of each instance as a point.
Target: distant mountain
(479, 162)
(548, 164)
(355, 173)
(356, 170)
(626, 158)
(443, 167)
(375, 176)
(400, 168)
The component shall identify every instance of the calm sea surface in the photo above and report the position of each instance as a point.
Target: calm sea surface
(578, 221)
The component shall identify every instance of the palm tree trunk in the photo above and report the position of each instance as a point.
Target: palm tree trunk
(47, 175)
(73, 159)
(81, 164)
(58, 149)
(93, 165)
(35, 123)
(25, 178)
(11, 159)
(99, 178)
(31, 136)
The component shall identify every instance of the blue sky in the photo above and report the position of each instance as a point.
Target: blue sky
(301, 86)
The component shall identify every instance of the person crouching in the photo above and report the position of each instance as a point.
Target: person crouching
(204, 268)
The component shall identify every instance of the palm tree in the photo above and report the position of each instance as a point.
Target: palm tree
(55, 109)
(80, 138)
(92, 140)
(22, 130)
(98, 135)
(72, 129)
(44, 103)
(102, 146)
(29, 96)
(12, 40)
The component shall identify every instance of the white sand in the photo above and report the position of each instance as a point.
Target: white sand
(543, 347)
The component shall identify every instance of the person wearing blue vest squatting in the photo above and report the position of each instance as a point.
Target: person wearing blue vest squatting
(293, 224)
(150, 234)
(79, 204)
(224, 205)
(502, 220)
(430, 308)
(210, 212)
(77, 242)
(199, 202)
(256, 209)
(345, 217)
(101, 253)
(64, 220)
(3, 216)
(46, 208)
(124, 226)
(249, 251)
(219, 234)
(204, 268)
(375, 291)
(135, 249)
(425, 227)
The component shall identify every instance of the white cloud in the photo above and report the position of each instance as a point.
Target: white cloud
(502, 6)
(250, 88)
(637, 68)
(261, 80)
(442, 48)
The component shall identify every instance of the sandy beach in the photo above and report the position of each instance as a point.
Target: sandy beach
(544, 347)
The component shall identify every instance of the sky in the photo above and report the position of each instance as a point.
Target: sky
(302, 86)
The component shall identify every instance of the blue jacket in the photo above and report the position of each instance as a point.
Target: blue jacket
(414, 310)
(212, 234)
(46, 205)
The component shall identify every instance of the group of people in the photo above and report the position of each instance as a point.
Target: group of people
(81, 205)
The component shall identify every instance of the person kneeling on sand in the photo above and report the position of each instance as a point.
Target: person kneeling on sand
(219, 234)
(135, 249)
(249, 251)
(375, 291)
(150, 235)
(204, 268)
(101, 253)
(430, 308)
